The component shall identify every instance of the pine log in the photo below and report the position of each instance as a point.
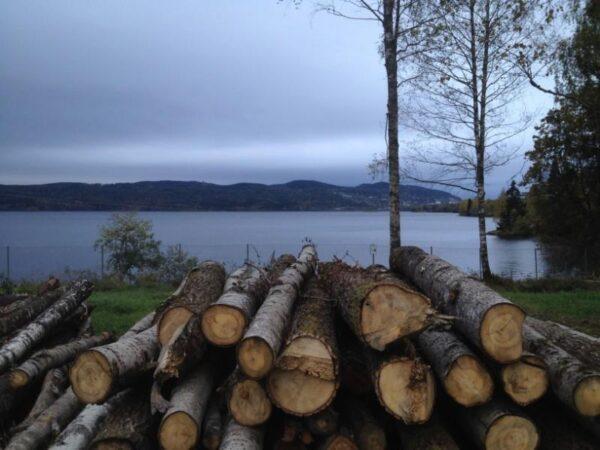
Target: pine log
(368, 433)
(181, 426)
(323, 423)
(224, 322)
(40, 362)
(526, 380)
(431, 435)
(247, 400)
(212, 429)
(485, 318)
(497, 425)
(575, 384)
(81, 431)
(202, 286)
(582, 346)
(306, 374)
(462, 374)
(32, 334)
(141, 325)
(240, 437)
(50, 422)
(28, 310)
(262, 341)
(97, 372)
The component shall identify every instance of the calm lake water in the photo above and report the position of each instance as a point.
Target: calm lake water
(43, 243)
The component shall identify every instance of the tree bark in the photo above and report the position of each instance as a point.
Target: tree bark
(525, 381)
(27, 311)
(97, 372)
(306, 374)
(181, 426)
(240, 437)
(141, 325)
(262, 341)
(201, 287)
(432, 435)
(40, 362)
(582, 346)
(485, 318)
(324, 423)
(247, 400)
(43, 325)
(51, 421)
(212, 430)
(462, 374)
(81, 431)
(575, 384)
(497, 426)
(378, 307)
(367, 432)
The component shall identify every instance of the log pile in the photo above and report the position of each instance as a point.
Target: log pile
(299, 355)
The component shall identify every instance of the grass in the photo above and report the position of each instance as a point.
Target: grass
(117, 309)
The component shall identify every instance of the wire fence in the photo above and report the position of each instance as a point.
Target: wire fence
(34, 263)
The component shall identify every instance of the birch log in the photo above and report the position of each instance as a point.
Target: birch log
(51, 421)
(485, 318)
(575, 384)
(240, 437)
(141, 325)
(247, 400)
(32, 334)
(201, 286)
(40, 362)
(461, 372)
(81, 431)
(378, 307)
(262, 341)
(181, 426)
(525, 381)
(27, 311)
(97, 372)
(212, 429)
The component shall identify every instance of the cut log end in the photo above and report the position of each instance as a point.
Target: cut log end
(255, 357)
(91, 377)
(587, 396)
(406, 388)
(249, 404)
(468, 382)
(501, 332)
(223, 325)
(178, 431)
(113, 444)
(309, 355)
(18, 379)
(390, 312)
(512, 432)
(526, 380)
(299, 394)
(339, 442)
(170, 322)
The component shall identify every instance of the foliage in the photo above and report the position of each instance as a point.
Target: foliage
(470, 206)
(511, 211)
(130, 245)
(176, 264)
(565, 162)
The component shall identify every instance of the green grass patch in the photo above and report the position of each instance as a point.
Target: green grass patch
(116, 310)
(579, 309)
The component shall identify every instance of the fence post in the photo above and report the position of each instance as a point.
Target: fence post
(102, 261)
(7, 263)
(535, 250)
(431, 250)
(247, 253)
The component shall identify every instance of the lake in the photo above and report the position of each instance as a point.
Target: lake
(36, 244)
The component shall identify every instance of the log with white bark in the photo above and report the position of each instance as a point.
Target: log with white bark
(431, 435)
(462, 374)
(28, 310)
(525, 381)
(201, 286)
(240, 437)
(47, 424)
(212, 429)
(262, 341)
(97, 372)
(498, 425)
(181, 426)
(43, 325)
(306, 374)
(366, 429)
(582, 346)
(485, 318)
(141, 325)
(575, 384)
(247, 399)
(81, 431)
(40, 362)
(376, 305)
(224, 322)
(14, 302)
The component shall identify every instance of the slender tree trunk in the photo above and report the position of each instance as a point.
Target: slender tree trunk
(390, 41)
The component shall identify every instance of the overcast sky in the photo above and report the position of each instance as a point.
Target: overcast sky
(218, 91)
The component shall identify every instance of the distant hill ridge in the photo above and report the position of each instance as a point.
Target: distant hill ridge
(299, 195)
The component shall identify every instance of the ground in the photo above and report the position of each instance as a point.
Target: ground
(117, 309)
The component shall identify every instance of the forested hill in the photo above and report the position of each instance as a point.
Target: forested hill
(199, 196)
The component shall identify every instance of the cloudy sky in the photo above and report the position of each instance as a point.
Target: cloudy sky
(218, 91)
